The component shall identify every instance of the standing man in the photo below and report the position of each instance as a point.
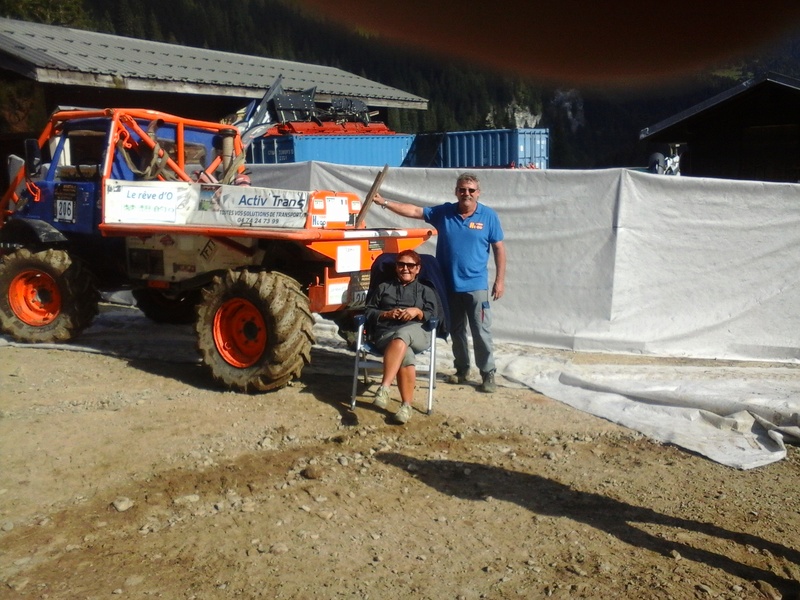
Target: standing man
(466, 231)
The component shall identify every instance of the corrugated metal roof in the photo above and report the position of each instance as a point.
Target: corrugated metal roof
(61, 55)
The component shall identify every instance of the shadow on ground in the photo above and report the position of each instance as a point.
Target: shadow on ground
(543, 496)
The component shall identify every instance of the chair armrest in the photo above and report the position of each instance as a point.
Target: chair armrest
(431, 324)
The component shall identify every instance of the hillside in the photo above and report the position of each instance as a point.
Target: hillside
(589, 128)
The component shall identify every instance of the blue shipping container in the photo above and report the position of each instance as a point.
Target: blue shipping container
(362, 150)
(490, 148)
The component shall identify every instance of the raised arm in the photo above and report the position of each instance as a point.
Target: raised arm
(403, 209)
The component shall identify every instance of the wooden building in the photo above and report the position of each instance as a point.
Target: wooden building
(751, 131)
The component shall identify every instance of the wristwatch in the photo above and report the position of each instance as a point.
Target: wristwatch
(385, 203)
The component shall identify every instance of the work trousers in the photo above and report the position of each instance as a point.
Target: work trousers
(471, 308)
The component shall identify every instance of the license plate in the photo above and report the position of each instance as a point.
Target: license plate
(359, 299)
(65, 211)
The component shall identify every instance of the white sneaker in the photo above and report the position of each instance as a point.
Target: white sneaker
(403, 413)
(381, 398)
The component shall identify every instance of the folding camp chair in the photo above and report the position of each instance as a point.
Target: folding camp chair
(369, 360)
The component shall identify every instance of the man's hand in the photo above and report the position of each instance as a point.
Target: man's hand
(498, 289)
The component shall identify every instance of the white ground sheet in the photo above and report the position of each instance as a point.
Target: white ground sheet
(615, 262)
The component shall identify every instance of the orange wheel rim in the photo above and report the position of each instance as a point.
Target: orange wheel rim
(35, 298)
(240, 333)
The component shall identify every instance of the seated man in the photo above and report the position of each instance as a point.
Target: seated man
(395, 316)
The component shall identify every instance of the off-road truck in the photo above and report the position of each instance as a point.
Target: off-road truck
(112, 199)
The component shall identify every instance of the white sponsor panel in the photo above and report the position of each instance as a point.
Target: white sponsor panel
(348, 259)
(337, 209)
(145, 202)
(337, 293)
(190, 204)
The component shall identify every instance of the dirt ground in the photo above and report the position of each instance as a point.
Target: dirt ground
(139, 478)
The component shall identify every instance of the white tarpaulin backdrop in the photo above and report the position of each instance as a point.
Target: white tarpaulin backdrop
(620, 261)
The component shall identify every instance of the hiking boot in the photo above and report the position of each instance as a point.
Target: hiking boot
(381, 398)
(403, 413)
(488, 386)
(458, 377)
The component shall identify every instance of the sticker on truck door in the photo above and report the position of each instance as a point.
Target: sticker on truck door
(64, 203)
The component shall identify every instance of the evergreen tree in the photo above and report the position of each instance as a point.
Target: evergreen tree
(127, 20)
(69, 13)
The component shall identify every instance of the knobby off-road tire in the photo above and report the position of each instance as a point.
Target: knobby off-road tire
(45, 296)
(254, 330)
(160, 308)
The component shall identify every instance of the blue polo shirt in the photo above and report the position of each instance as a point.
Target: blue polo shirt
(462, 245)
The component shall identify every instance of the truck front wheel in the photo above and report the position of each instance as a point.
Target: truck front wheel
(254, 330)
(45, 296)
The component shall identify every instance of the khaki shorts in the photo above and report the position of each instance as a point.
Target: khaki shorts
(414, 336)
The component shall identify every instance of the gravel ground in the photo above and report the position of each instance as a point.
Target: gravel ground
(140, 478)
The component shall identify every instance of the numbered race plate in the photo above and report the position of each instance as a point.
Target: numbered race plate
(65, 210)
(65, 202)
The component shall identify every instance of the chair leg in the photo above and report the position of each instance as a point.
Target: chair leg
(355, 367)
(355, 385)
(432, 372)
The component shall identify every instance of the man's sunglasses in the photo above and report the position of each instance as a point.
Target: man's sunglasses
(406, 265)
(467, 190)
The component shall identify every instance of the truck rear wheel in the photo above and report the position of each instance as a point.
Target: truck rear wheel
(254, 330)
(45, 296)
